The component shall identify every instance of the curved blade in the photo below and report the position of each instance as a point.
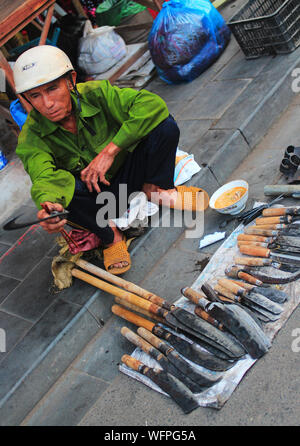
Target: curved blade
(207, 343)
(169, 367)
(185, 368)
(243, 326)
(12, 225)
(223, 340)
(173, 387)
(192, 351)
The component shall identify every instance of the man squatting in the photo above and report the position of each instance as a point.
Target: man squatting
(80, 141)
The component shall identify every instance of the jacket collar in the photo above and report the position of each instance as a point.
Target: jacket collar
(46, 127)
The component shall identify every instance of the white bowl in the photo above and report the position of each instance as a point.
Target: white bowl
(238, 206)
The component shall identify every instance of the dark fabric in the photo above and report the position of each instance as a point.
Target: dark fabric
(153, 161)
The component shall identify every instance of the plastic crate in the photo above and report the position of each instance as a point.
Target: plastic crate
(267, 27)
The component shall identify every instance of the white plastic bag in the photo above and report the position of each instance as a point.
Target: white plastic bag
(100, 49)
(185, 167)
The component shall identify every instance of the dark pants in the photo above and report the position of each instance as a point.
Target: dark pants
(152, 161)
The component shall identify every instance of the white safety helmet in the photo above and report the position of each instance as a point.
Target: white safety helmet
(38, 66)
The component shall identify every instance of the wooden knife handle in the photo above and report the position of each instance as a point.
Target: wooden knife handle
(133, 318)
(115, 291)
(129, 286)
(139, 310)
(245, 285)
(226, 293)
(252, 261)
(136, 340)
(154, 340)
(235, 273)
(205, 316)
(253, 238)
(193, 295)
(274, 227)
(274, 212)
(131, 362)
(254, 230)
(271, 220)
(248, 278)
(231, 286)
(244, 243)
(255, 251)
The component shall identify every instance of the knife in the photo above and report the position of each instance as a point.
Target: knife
(267, 279)
(267, 253)
(271, 293)
(177, 361)
(258, 261)
(258, 313)
(238, 322)
(160, 358)
(168, 383)
(219, 342)
(274, 212)
(256, 230)
(227, 297)
(253, 296)
(285, 219)
(190, 350)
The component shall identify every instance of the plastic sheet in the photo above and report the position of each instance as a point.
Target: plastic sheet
(217, 395)
(186, 38)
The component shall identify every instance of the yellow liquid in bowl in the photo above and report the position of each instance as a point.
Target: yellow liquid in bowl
(230, 197)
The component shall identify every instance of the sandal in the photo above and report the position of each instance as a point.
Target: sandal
(191, 199)
(115, 254)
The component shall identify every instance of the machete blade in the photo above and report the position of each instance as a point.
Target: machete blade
(170, 368)
(277, 296)
(223, 340)
(263, 302)
(242, 326)
(188, 370)
(173, 387)
(166, 382)
(263, 314)
(207, 343)
(192, 351)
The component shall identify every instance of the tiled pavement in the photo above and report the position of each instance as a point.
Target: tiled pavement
(222, 115)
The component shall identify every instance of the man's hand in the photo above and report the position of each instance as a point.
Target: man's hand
(97, 168)
(55, 224)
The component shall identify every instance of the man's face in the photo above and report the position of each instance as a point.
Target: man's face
(52, 100)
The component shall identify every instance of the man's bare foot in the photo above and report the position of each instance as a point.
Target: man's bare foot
(165, 197)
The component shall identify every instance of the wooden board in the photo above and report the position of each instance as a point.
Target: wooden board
(16, 14)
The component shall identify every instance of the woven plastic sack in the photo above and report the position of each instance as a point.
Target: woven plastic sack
(100, 49)
(186, 38)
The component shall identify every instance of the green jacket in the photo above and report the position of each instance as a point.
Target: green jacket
(51, 154)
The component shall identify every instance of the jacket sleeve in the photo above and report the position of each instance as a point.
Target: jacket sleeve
(48, 182)
(138, 112)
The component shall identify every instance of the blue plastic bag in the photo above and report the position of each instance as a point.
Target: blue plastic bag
(18, 113)
(186, 38)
